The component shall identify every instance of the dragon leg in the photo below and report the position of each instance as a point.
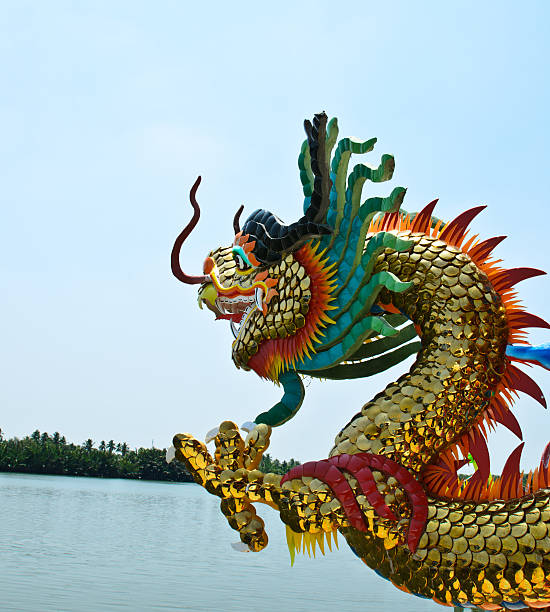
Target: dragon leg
(232, 475)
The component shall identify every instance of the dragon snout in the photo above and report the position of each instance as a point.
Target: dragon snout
(207, 295)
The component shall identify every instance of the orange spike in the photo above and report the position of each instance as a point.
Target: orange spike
(252, 259)
(466, 246)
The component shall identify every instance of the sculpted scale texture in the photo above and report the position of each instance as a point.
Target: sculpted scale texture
(350, 289)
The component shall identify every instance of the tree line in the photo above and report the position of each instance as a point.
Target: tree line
(268, 464)
(42, 453)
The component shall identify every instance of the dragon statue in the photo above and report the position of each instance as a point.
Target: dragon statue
(350, 289)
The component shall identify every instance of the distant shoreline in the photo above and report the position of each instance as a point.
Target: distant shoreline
(41, 453)
(51, 455)
(97, 477)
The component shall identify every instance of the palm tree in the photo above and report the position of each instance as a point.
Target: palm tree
(56, 438)
(88, 445)
(35, 435)
(111, 446)
(102, 447)
(124, 449)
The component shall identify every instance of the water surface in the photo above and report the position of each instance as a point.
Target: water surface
(88, 544)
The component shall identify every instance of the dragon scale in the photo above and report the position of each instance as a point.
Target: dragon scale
(349, 289)
(462, 323)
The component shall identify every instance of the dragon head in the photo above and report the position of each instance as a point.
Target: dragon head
(301, 298)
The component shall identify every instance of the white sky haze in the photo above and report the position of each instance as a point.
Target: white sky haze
(110, 110)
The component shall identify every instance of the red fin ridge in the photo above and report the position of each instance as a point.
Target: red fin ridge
(506, 279)
(482, 250)
(507, 418)
(422, 221)
(456, 229)
(520, 319)
(480, 453)
(521, 382)
(510, 479)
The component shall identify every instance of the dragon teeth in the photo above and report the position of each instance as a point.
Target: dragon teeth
(233, 305)
(258, 298)
(234, 328)
(237, 327)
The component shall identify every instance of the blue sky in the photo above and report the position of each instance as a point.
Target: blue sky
(108, 113)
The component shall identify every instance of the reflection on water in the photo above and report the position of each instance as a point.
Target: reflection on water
(92, 545)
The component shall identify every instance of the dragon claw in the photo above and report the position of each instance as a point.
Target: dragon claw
(248, 426)
(211, 434)
(170, 454)
(232, 474)
(330, 471)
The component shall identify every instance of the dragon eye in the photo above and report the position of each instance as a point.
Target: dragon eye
(241, 259)
(241, 264)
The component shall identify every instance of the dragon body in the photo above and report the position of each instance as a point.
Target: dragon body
(350, 289)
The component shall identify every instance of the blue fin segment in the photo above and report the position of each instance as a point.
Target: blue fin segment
(537, 354)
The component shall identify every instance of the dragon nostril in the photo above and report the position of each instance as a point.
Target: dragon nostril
(208, 265)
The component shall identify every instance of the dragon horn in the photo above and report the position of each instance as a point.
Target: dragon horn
(236, 225)
(175, 259)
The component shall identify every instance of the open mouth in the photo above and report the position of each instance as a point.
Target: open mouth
(237, 308)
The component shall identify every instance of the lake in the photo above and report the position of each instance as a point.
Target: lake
(92, 545)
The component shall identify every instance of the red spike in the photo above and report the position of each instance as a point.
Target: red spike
(545, 459)
(482, 250)
(506, 417)
(480, 452)
(461, 463)
(510, 473)
(423, 220)
(520, 319)
(456, 228)
(521, 382)
(506, 279)
(390, 220)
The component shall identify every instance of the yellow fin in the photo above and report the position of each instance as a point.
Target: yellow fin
(320, 537)
(335, 536)
(307, 542)
(290, 544)
(329, 541)
(298, 541)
